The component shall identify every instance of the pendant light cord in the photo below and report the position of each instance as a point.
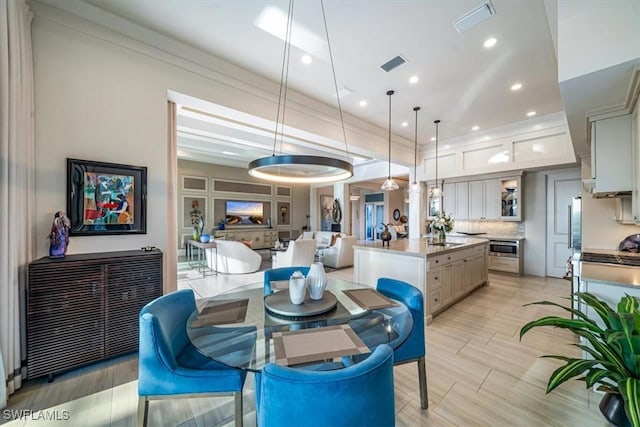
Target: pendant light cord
(415, 148)
(335, 81)
(284, 78)
(390, 92)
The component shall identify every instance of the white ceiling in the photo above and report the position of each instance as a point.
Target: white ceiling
(461, 82)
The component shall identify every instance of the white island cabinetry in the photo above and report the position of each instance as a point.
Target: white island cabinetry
(444, 274)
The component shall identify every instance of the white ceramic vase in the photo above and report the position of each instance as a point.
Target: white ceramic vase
(316, 281)
(297, 287)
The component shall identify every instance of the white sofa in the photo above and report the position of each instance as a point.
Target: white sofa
(232, 257)
(299, 252)
(322, 238)
(341, 253)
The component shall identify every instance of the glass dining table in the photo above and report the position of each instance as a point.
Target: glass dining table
(245, 329)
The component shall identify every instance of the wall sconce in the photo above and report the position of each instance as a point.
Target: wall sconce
(283, 212)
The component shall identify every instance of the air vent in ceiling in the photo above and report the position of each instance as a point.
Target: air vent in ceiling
(474, 17)
(393, 63)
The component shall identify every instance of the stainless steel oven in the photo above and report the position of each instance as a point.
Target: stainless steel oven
(504, 248)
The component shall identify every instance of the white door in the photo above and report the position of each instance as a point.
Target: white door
(561, 188)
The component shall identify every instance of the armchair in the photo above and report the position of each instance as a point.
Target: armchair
(299, 252)
(341, 253)
(414, 347)
(361, 394)
(233, 257)
(170, 366)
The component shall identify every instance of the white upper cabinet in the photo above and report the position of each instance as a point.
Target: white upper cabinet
(511, 201)
(484, 199)
(611, 156)
(456, 199)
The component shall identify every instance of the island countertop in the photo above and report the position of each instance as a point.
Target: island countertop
(421, 247)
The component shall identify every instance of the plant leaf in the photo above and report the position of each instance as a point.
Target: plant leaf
(627, 304)
(596, 375)
(561, 322)
(630, 390)
(573, 368)
(599, 306)
(575, 312)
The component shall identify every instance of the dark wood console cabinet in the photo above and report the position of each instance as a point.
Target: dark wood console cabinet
(84, 308)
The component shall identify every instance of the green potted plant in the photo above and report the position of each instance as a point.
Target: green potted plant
(613, 353)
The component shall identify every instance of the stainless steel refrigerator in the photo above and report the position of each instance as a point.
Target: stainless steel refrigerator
(575, 244)
(575, 225)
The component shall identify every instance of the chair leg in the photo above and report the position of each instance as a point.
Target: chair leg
(238, 404)
(143, 409)
(422, 379)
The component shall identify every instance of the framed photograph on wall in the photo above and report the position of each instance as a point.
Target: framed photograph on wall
(195, 183)
(106, 198)
(194, 207)
(326, 213)
(284, 213)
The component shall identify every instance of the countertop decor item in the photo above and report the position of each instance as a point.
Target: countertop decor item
(204, 238)
(300, 168)
(316, 280)
(385, 235)
(297, 287)
(612, 354)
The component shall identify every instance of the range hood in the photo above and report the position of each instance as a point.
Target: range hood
(588, 186)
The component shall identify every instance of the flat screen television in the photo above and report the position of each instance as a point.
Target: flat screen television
(238, 212)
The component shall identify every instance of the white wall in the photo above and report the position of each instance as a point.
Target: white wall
(599, 227)
(596, 34)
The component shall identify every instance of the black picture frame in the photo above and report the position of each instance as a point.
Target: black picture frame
(106, 198)
(396, 214)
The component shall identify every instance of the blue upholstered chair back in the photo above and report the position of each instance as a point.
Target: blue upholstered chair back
(163, 322)
(168, 362)
(414, 346)
(281, 273)
(360, 395)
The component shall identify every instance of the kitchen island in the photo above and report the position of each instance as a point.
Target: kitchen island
(445, 273)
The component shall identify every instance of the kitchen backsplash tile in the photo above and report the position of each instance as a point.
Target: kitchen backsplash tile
(501, 228)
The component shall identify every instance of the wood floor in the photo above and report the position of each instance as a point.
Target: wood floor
(479, 374)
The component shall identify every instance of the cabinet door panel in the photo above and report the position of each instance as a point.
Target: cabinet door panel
(476, 199)
(461, 210)
(493, 199)
(450, 198)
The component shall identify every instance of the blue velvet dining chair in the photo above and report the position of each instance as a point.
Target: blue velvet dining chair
(359, 395)
(413, 348)
(280, 273)
(170, 366)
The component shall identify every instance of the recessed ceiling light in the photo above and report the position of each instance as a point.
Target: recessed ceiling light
(405, 124)
(475, 128)
(363, 103)
(531, 113)
(433, 138)
(229, 153)
(413, 80)
(486, 138)
(306, 59)
(516, 86)
(490, 42)
(446, 146)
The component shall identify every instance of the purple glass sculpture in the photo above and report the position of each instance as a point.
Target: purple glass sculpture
(59, 236)
(630, 244)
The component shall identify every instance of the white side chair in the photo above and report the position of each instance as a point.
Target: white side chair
(233, 258)
(341, 253)
(299, 252)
